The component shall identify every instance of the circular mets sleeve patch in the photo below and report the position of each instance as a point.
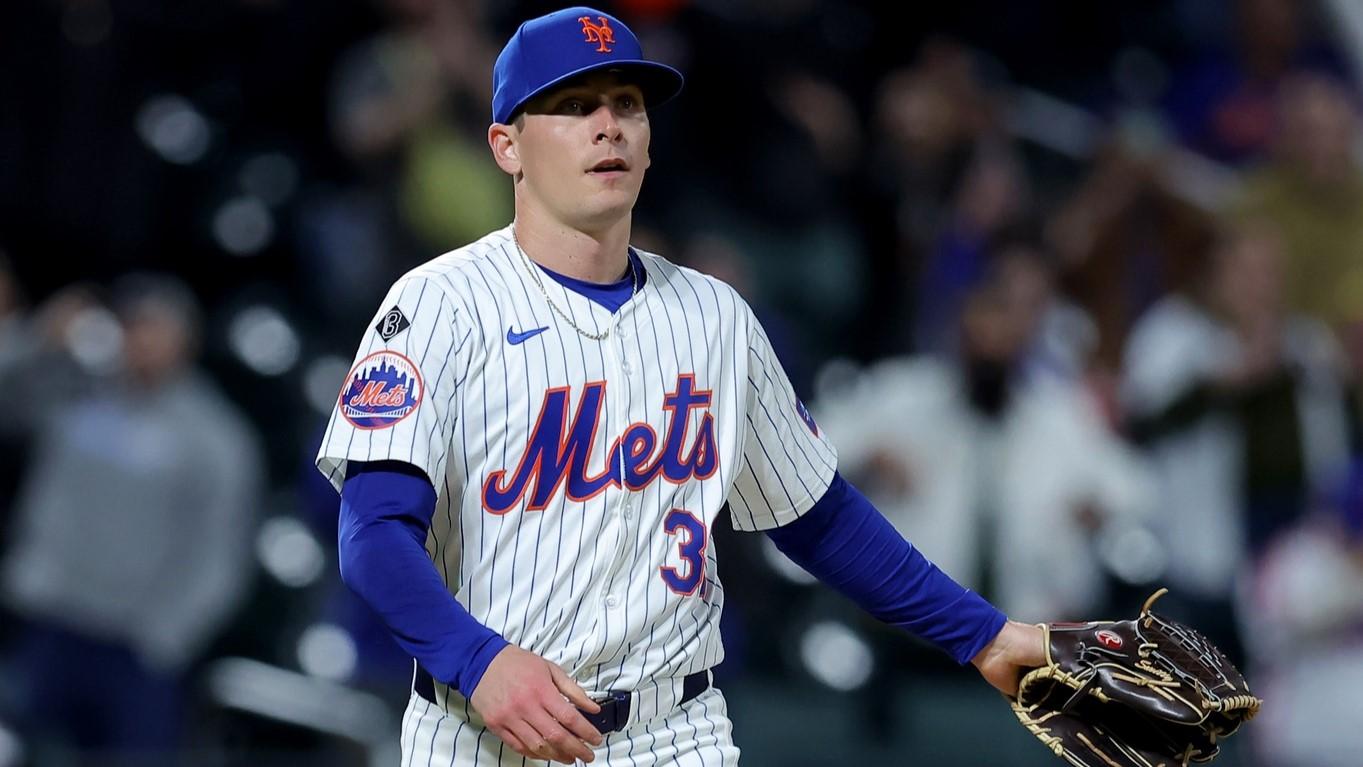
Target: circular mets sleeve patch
(381, 390)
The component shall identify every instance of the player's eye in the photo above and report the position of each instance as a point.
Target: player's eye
(572, 106)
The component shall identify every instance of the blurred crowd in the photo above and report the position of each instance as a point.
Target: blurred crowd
(1077, 292)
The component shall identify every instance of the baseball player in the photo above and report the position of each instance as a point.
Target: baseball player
(540, 430)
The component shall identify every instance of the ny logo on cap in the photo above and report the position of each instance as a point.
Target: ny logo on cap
(601, 34)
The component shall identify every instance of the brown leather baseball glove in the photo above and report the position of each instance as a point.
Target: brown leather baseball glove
(1148, 692)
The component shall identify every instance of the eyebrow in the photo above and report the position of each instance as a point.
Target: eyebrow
(577, 89)
(553, 99)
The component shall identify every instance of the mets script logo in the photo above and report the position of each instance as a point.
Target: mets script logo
(601, 34)
(558, 453)
(384, 388)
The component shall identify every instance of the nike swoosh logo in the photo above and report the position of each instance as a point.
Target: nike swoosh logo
(513, 338)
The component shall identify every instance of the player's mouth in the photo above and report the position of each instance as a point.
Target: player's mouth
(612, 167)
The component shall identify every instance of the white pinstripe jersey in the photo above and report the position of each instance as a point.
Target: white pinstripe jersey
(578, 480)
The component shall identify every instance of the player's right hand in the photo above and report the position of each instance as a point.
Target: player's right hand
(1018, 647)
(533, 704)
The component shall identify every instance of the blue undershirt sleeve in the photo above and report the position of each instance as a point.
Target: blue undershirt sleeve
(846, 543)
(386, 510)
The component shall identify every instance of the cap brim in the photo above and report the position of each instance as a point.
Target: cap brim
(658, 82)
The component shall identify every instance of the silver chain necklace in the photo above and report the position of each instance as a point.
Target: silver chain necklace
(539, 281)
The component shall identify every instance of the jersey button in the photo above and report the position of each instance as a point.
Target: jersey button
(622, 332)
(626, 367)
(612, 601)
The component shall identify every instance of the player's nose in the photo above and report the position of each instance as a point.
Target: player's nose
(605, 126)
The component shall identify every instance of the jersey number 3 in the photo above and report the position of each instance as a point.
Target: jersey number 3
(691, 547)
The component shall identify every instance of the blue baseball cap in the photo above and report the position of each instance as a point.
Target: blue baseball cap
(551, 49)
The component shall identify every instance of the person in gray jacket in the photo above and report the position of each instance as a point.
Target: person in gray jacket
(133, 526)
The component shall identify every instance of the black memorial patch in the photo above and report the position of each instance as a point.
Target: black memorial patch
(392, 323)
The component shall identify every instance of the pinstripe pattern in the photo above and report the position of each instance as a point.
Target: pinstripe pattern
(579, 582)
(698, 734)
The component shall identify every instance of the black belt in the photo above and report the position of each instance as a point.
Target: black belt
(614, 708)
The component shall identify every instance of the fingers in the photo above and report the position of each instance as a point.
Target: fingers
(511, 739)
(570, 714)
(576, 723)
(560, 743)
(538, 736)
(571, 690)
(525, 740)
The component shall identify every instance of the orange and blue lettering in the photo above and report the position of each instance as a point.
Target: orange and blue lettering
(558, 453)
(599, 33)
(691, 549)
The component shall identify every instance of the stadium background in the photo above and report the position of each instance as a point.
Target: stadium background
(860, 172)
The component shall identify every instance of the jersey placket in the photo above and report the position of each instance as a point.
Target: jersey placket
(620, 508)
(608, 596)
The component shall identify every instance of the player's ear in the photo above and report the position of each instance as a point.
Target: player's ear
(505, 149)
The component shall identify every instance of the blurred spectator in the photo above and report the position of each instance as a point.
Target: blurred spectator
(409, 108)
(1242, 408)
(38, 368)
(11, 306)
(1125, 241)
(1003, 473)
(133, 534)
(1353, 350)
(1304, 620)
(1313, 193)
(12, 442)
(788, 198)
(991, 195)
(1223, 103)
(930, 120)
(13, 438)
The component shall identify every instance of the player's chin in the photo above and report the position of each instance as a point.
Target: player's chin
(610, 185)
(607, 204)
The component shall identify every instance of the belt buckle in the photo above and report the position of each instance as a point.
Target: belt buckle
(614, 712)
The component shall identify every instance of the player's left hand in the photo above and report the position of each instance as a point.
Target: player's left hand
(1017, 647)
